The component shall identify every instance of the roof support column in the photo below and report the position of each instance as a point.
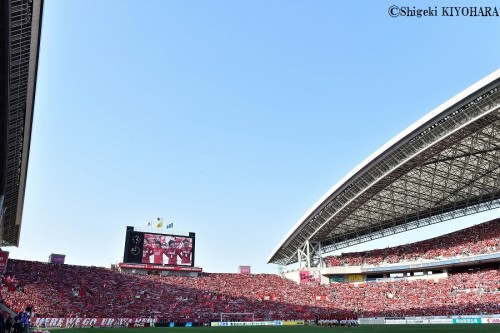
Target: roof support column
(309, 255)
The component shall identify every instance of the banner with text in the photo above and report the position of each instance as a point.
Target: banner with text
(88, 322)
(4, 256)
(467, 321)
(355, 278)
(247, 323)
(490, 320)
(309, 276)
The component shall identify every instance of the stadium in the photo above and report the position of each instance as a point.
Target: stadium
(444, 166)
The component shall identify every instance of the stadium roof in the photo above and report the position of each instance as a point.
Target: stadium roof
(20, 23)
(445, 165)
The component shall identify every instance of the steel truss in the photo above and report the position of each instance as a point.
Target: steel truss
(309, 255)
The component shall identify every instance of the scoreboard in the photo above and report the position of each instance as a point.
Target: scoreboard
(158, 248)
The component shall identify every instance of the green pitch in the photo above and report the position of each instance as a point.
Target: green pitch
(441, 328)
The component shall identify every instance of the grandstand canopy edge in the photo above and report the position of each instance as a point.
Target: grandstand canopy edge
(20, 33)
(445, 165)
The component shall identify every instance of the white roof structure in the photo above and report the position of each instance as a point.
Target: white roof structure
(445, 165)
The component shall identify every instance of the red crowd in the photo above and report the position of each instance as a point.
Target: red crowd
(466, 292)
(78, 291)
(480, 239)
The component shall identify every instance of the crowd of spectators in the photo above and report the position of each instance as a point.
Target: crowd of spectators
(479, 239)
(467, 292)
(15, 322)
(54, 290)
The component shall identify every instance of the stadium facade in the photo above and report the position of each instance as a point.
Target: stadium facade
(20, 27)
(446, 165)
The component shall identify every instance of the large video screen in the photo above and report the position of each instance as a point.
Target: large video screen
(159, 249)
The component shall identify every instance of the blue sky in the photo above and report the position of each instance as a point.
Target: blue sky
(227, 118)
